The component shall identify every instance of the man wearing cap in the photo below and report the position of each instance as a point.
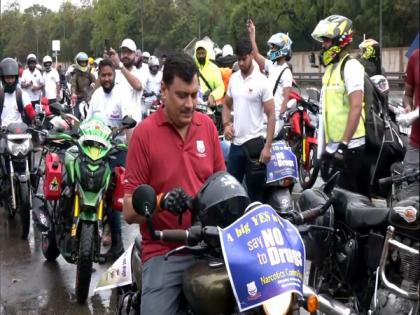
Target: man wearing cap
(128, 76)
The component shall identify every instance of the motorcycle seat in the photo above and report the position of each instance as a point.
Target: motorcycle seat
(357, 210)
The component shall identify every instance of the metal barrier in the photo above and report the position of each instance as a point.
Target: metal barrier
(395, 79)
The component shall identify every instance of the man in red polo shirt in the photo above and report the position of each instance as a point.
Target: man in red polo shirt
(412, 104)
(175, 147)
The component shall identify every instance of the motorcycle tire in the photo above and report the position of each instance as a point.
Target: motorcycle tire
(24, 209)
(84, 263)
(49, 246)
(306, 180)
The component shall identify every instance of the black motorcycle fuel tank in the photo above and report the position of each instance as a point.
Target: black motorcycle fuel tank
(207, 288)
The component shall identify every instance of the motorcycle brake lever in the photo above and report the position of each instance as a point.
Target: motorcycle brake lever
(197, 249)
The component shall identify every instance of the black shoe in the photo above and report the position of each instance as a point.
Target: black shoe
(116, 250)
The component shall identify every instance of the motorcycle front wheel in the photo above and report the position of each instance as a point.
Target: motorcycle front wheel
(308, 169)
(84, 263)
(49, 245)
(24, 209)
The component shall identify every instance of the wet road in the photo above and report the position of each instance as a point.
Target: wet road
(31, 285)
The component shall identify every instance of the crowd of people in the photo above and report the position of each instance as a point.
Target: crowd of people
(179, 147)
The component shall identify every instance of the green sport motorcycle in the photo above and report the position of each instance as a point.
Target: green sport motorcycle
(72, 224)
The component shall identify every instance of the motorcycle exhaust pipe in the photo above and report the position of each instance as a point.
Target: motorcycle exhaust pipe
(327, 305)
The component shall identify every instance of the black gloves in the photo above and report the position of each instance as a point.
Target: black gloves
(339, 156)
(176, 201)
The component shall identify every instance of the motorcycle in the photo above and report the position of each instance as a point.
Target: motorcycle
(207, 280)
(150, 103)
(16, 166)
(300, 131)
(397, 287)
(71, 213)
(345, 257)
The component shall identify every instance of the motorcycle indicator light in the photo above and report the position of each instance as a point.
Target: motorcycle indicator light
(312, 303)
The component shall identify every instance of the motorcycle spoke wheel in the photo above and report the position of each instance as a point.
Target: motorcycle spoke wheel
(84, 263)
(308, 170)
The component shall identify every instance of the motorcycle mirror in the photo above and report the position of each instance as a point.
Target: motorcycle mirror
(144, 200)
(332, 182)
(55, 108)
(129, 122)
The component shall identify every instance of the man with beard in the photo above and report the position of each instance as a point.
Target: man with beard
(32, 82)
(109, 104)
(250, 98)
(211, 82)
(128, 76)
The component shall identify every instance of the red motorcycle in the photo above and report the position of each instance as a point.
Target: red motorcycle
(300, 131)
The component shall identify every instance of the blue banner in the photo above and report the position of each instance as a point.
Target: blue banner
(264, 255)
(283, 163)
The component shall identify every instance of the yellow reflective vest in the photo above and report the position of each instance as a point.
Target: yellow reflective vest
(336, 105)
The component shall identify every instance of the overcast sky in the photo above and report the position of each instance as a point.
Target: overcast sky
(50, 4)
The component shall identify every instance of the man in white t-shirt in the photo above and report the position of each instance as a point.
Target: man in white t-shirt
(32, 82)
(152, 86)
(109, 104)
(250, 98)
(128, 76)
(279, 74)
(51, 79)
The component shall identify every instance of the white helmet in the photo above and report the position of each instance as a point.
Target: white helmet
(98, 60)
(31, 57)
(146, 55)
(47, 59)
(217, 51)
(227, 50)
(153, 61)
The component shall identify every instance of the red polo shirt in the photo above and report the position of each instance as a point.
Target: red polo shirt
(413, 79)
(159, 157)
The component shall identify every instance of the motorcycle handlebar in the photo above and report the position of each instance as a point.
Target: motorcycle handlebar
(311, 214)
(192, 235)
(400, 178)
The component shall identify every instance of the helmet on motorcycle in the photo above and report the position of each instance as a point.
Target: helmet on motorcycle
(337, 28)
(280, 46)
(221, 200)
(31, 58)
(81, 61)
(47, 62)
(316, 241)
(370, 49)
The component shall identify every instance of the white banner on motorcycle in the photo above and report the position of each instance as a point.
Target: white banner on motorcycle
(119, 274)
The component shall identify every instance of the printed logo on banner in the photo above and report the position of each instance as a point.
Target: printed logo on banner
(252, 291)
(283, 163)
(264, 256)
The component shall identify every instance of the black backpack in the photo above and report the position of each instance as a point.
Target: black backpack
(381, 132)
(383, 139)
(19, 102)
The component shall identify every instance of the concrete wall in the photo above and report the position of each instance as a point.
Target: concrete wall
(393, 60)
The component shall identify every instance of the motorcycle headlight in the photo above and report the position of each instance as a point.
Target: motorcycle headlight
(20, 148)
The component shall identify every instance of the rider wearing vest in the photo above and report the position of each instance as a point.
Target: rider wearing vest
(342, 103)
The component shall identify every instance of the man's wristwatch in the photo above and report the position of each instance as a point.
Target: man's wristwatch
(120, 65)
